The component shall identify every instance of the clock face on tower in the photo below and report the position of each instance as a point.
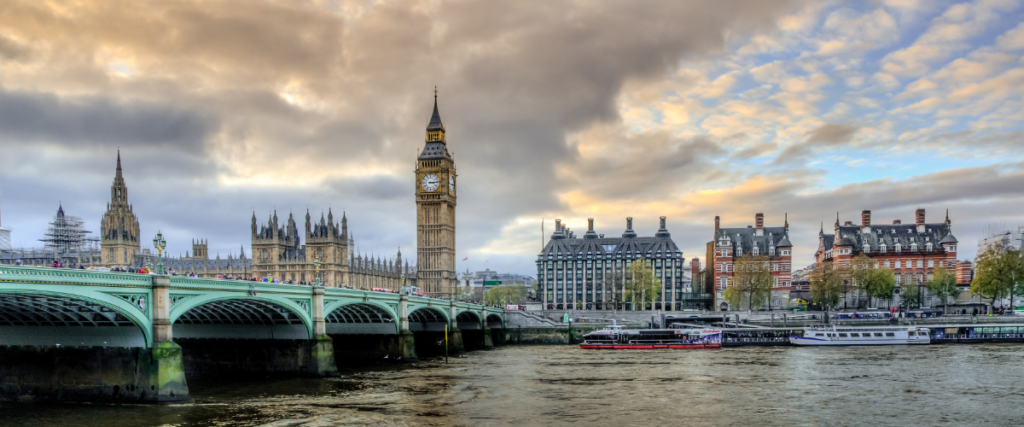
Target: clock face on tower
(430, 182)
(451, 184)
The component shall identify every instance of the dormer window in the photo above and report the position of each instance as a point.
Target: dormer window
(756, 250)
(928, 246)
(913, 247)
(881, 248)
(899, 247)
(771, 250)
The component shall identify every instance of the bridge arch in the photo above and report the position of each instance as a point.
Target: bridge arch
(232, 316)
(468, 320)
(494, 321)
(361, 318)
(49, 317)
(427, 318)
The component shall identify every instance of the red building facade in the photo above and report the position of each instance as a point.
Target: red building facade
(731, 244)
(912, 251)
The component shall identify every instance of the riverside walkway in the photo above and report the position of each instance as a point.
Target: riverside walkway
(123, 330)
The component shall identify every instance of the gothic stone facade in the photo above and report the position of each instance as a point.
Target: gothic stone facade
(731, 244)
(574, 272)
(278, 253)
(119, 228)
(435, 211)
(912, 251)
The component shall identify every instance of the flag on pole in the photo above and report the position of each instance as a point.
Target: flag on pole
(465, 258)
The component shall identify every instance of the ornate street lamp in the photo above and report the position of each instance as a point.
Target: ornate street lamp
(159, 243)
(316, 280)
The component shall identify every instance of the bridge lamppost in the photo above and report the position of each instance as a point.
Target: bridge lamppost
(159, 243)
(316, 277)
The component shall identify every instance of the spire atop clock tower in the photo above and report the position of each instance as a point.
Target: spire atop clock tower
(435, 120)
(436, 146)
(435, 210)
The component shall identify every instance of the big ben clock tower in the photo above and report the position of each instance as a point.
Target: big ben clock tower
(435, 211)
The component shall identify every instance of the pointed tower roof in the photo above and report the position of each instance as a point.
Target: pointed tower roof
(118, 173)
(435, 118)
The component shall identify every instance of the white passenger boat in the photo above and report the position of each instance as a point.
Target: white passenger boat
(862, 336)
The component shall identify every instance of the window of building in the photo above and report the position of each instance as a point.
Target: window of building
(756, 251)
(920, 263)
(881, 248)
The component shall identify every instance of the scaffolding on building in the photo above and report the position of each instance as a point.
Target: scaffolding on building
(67, 236)
(66, 241)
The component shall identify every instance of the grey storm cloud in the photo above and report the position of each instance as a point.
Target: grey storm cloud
(205, 97)
(823, 137)
(831, 134)
(98, 121)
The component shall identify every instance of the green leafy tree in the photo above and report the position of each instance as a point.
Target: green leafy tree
(861, 272)
(470, 294)
(880, 284)
(509, 294)
(615, 285)
(943, 285)
(827, 284)
(642, 285)
(911, 295)
(999, 272)
(753, 278)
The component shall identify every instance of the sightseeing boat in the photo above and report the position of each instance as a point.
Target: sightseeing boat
(862, 336)
(616, 338)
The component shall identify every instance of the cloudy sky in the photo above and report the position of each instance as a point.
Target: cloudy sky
(554, 109)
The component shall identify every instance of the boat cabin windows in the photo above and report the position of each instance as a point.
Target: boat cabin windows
(878, 334)
(854, 335)
(889, 334)
(842, 335)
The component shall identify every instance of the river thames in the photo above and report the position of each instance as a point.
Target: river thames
(563, 385)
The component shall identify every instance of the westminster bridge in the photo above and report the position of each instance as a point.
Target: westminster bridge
(86, 335)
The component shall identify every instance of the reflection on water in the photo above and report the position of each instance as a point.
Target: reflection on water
(926, 385)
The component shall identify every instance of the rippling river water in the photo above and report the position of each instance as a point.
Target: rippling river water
(563, 385)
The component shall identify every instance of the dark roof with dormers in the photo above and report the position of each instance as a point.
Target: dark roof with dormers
(564, 243)
(889, 235)
(745, 238)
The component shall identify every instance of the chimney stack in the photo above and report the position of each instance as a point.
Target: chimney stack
(865, 218)
(694, 271)
(629, 223)
(662, 223)
(590, 224)
(897, 222)
(847, 223)
(558, 225)
(716, 224)
(919, 220)
(759, 224)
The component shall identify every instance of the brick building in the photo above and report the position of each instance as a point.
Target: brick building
(912, 251)
(731, 244)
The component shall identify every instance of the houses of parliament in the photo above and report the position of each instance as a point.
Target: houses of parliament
(280, 252)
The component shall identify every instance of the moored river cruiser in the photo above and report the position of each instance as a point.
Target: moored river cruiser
(862, 336)
(616, 338)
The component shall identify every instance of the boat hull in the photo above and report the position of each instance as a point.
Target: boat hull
(649, 346)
